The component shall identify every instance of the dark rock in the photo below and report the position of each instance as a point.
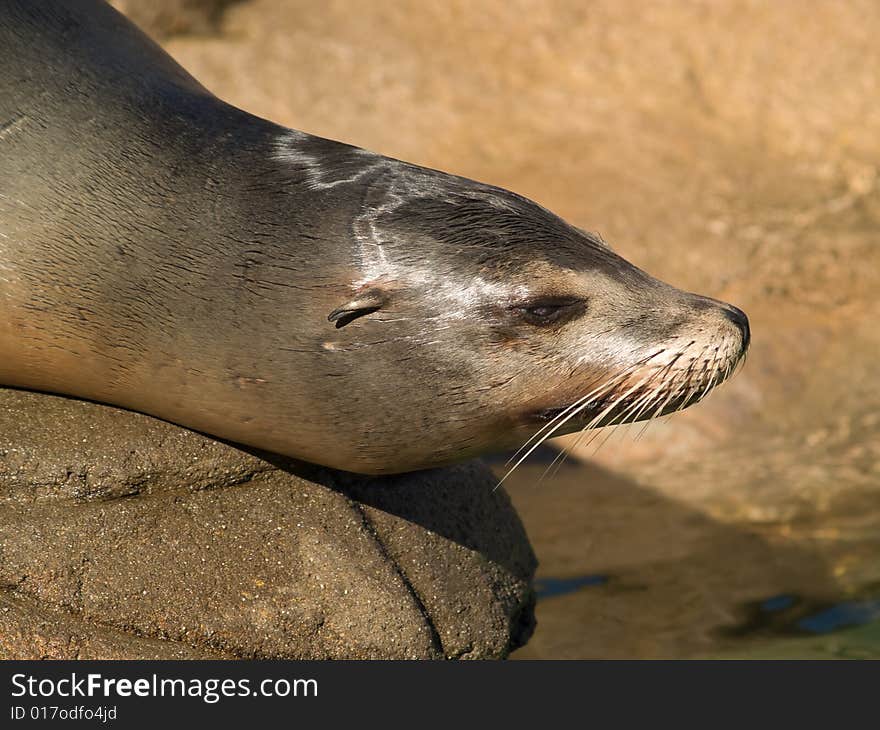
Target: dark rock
(123, 536)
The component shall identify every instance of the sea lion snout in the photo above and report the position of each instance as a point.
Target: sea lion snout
(741, 321)
(646, 352)
(725, 317)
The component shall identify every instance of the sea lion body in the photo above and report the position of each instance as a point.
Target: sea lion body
(166, 252)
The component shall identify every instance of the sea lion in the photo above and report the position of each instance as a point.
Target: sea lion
(164, 251)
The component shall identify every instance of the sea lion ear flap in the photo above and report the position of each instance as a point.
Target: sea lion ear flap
(366, 302)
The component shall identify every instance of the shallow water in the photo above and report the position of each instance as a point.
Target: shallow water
(651, 564)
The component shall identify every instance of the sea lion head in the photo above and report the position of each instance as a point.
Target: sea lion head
(479, 319)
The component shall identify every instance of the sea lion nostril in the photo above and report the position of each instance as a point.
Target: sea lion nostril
(739, 318)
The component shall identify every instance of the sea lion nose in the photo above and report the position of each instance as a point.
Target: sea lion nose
(739, 318)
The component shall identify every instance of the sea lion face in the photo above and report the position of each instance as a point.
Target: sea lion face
(496, 320)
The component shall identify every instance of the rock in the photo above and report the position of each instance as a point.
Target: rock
(122, 536)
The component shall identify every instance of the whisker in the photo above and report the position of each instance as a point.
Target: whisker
(563, 455)
(662, 405)
(580, 408)
(560, 460)
(601, 416)
(688, 386)
(582, 405)
(632, 413)
(569, 410)
(711, 379)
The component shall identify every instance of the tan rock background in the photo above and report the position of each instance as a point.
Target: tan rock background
(729, 147)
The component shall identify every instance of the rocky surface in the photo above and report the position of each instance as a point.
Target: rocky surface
(122, 536)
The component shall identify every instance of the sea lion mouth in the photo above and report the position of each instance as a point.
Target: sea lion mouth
(650, 389)
(611, 410)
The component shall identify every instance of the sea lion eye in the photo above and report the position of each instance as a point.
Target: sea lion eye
(543, 311)
(551, 310)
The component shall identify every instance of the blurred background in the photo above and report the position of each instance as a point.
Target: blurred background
(729, 147)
